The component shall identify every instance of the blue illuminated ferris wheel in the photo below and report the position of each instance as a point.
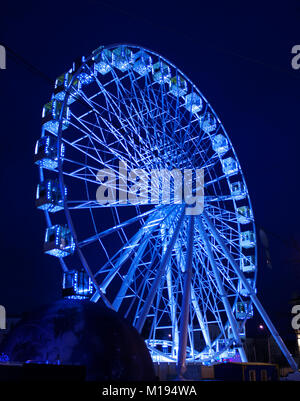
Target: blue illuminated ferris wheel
(187, 283)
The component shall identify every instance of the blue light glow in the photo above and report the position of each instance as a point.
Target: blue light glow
(103, 61)
(77, 284)
(46, 152)
(86, 78)
(248, 239)
(143, 63)
(51, 114)
(220, 144)
(131, 100)
(62, 83)
(244, 214)
(208, 122)
(243, 310)
(49, 197)
(122, 58)
(178, 86)
(4, 357)
(59, 241)
(248, 264)
(242, 290)
(237, 190)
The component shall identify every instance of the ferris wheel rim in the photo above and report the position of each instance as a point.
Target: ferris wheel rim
(60, 168)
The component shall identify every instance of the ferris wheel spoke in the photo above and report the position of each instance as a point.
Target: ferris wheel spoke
(228, 281)
(158, 311)
(130, 274)
(79, 169)
(201, 290)
(89, 147)
(145, 309)
(148, 267)
(252, 294)
(138, 295)
(161, 111)
(124, 253)
(188, 129)
(218, 198)
(118, 136)
(222, 292)
(148, 230)
(206, 294)
(221, 212)
(116, 228)
(134, 126)
(155, 110)
(208, 290)
(104, 284)
(79, 174)
(209, 163)
(142, 125)
(200, 155)
(220, 219)
(137, 153)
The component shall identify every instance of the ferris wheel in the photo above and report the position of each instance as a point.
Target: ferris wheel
(186, 282)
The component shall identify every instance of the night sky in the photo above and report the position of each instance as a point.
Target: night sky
(238, 54)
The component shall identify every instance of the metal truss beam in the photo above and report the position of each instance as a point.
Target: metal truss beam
(146, 307)
(222, 292)
(252, 294)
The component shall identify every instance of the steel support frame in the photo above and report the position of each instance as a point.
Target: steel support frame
(186, 298)
(251, 293)
(146, 307)
(222, 292)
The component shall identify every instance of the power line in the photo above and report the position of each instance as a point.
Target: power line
(17, 57)
(202, 42)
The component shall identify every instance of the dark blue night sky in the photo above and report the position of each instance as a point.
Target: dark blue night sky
(238, 54)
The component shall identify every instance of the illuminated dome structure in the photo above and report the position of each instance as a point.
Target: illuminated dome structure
(73, 332)
(187, 282)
